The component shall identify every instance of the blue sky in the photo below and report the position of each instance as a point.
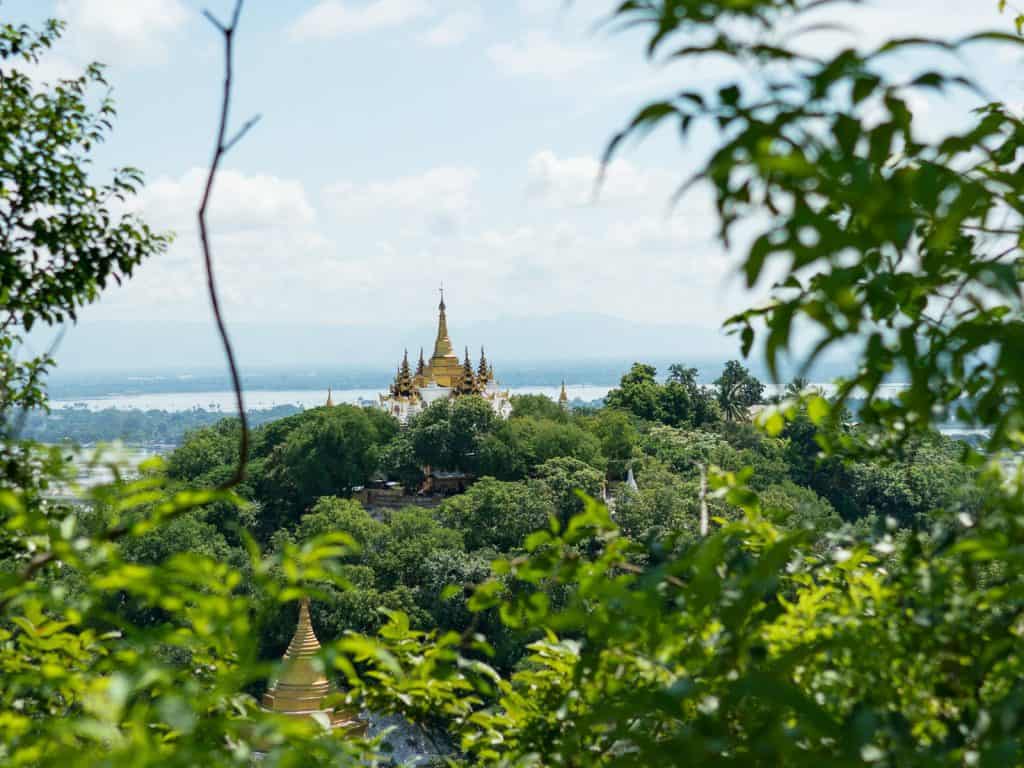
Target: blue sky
(406, 142)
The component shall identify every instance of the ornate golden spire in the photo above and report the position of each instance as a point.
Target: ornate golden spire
(403, 380)
(466, 384)
(301, 688)
(563, 397)
(330, 402)
(443, 344)
(483, 371)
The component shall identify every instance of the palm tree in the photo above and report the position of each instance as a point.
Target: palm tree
(731, 402)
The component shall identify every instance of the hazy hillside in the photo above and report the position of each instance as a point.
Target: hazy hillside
(575, 336)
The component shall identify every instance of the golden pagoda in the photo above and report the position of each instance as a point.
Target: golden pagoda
(443, 376)
(301, 687)
(563, 397)
(330, 400)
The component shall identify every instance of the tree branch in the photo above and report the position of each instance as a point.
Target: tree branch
(221, 148)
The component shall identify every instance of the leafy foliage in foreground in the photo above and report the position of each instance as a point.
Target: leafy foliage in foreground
(61, 238)
(755, 646)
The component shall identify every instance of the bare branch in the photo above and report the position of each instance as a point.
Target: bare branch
(216, 22)
(241, 133)
(220, 148)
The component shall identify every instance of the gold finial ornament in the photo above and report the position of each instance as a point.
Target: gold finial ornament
(563, 396)
(443, 343)
(301, 688)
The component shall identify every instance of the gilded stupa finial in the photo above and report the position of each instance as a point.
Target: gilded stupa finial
(443, 343)
(330, 401)
(563, 396)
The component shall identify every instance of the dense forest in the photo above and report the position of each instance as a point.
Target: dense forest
(529, 471)
(685, 575)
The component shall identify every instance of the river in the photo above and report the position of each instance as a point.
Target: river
(263, 399)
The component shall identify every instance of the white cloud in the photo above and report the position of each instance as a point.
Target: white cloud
(241, 203)
(453, 28)
(102, 27)
(543, 7)
(334, 18)
(50, 68)
(441, 197)
(273, 261)
(572, 181)
(540, 55)
(267, 251)
(876, 22)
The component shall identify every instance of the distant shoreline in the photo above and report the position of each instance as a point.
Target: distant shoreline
(264, 399)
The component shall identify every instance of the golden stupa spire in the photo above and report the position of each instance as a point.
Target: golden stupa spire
(466, 384)
(404, 385)
(330, 402)
(483, 371)
(301, 688)
(563, 397)
(443, 343)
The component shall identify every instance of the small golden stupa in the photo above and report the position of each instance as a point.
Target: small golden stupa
(301, 688)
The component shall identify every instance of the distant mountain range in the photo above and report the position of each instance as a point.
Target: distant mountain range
(583, 348)
(104, 346)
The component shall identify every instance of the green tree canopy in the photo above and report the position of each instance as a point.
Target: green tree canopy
(328, 451)
(680, 401)
(450, 434)
(537, 406)
(499, 515)
(638, 393)
(567, 478)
